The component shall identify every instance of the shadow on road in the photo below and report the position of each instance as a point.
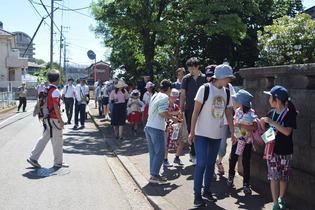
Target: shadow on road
(40, 173)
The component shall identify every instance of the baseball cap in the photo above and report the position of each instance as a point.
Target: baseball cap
(222, 71)
(174, 93)
(279, 92)
(134, 92)
(149, 85)
(210, 70)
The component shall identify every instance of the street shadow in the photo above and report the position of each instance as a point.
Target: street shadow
(159, 189)
(40, 173)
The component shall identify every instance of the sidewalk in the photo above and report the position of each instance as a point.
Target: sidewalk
(178, 193)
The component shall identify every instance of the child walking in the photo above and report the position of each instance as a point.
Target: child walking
(173, 130)
(282, 119)
(244, 123)
(134, 105)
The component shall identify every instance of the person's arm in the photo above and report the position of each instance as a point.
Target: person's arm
(229, 118)
(284, 130)
(166, 115)
(182, 99)
(58, 113)
(191, 136)
(252, 127)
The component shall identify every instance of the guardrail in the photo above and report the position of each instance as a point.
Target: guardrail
(7, 99)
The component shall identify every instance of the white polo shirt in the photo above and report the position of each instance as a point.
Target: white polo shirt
(68, 91)
(81, 91)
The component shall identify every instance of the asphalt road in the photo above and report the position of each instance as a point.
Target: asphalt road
(94, 180)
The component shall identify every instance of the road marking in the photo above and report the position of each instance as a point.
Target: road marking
(9, 118)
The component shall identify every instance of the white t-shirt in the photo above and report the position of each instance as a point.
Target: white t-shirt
(68, 91)
(80, 92)
(158, 104)
(211, 118)
(232, 92)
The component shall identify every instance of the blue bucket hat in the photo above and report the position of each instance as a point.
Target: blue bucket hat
(243, 97)
(222, 71)
(279, 92)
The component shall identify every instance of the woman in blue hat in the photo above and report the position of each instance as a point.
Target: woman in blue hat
(282, 118)
(244, 123)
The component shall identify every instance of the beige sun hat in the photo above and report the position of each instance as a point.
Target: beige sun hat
(120, 84)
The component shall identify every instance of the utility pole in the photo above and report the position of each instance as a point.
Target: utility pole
(51, 35)
(60, 50)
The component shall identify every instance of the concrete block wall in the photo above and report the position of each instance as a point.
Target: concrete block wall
(300, 82)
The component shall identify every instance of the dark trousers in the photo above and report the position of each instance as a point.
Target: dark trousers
(69, 108)
(100, 107)
(22, 101)
(245, 161)
(188, 115)
(79, 109)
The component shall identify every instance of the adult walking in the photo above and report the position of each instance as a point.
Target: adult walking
(118, 98)
(81, 95)
(68, 98)
(190, 85)
(206, 129)
(155, 129)
(98, 97)
(53, 125)
(22, 96)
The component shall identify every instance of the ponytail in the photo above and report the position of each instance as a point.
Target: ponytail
(291, 107)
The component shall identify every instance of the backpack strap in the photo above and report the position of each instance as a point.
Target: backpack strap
(228, 95)
(206, 95)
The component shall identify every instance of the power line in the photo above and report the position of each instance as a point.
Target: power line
(45, 23)
(75, 10)
(68, 9)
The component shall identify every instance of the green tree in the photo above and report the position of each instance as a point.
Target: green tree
(42, 74)
(290, 40)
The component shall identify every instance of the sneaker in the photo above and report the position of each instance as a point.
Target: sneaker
(61, 165)
(214, 177)
(208, 196)
(75, 127)
(247, 190)
(220, 168)
(167, 164)
(198, 202)
(282, 203)
(33, 163)
(178, 161)
(82, 126)
(276, 207)
(229, 181)
(157, 180)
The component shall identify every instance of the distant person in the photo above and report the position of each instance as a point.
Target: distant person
(155, 130)
(146, 101)
(105, 91)
(282, 119)
(99, 80)
(81, 96)
(98, 96)
(190, 85)
(209, 71)
(141, 85)
(180, 73)
(53, 125)
(118, 98)
(22, 96)
(68, 98)
(40, 88)
(133, 108)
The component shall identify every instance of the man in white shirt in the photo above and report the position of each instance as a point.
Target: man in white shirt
(68, 98)
(81, 92)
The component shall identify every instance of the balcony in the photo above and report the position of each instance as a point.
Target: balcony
(14, 61)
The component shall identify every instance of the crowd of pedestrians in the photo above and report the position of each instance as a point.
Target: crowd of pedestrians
(201, 109)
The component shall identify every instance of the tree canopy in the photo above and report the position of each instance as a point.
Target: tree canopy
(158, 36)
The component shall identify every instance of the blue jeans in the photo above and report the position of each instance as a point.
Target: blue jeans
(156, 146)
(206, 151)
(79, 109)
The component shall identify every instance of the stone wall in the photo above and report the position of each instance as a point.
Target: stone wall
(300, 82)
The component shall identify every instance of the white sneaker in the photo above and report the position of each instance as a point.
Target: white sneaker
(157, 180)
(61, 165)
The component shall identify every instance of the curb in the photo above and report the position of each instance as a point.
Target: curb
(157, 202)
(5, 110)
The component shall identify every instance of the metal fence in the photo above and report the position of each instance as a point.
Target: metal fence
(7, 99)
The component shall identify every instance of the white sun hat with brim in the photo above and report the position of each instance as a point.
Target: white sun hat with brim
(121, 84)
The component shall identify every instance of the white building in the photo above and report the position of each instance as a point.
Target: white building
(10, 63)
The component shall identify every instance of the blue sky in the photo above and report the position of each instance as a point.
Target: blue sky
(19, 15)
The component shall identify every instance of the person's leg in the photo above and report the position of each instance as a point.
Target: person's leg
(121, 128)
(274, 187)
(71, 101)
(67, 107)
(76, 113)
(166, 154)
(116, 131)
(100, 110)
(20, 103)
(82, 114)
(150, 148)
(57, 142)
(158, 139)
(179, 149)
(222, 151)
(24, 104)
(246, 163)
(232, 161)
(41, 144)
(201, 144)
(212, 152)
